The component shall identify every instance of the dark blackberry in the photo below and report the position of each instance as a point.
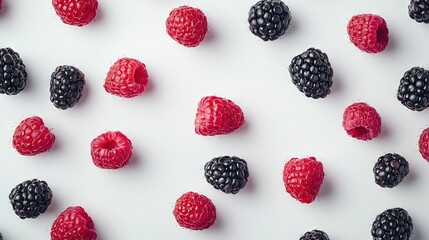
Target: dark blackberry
(228, 174)
(413, 90)
(269, 19)
(13, 74)
(392, 224)
(419, 10)
(1, 237)
(30, 198)
(315, 235)
(67, 84)
(390, 170)
(311, 73)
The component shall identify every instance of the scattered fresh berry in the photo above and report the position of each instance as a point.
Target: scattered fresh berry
(311, 73)
(394, 223)
(73, 224)
(269, 19)
(216, 115)
(13, 73)
(303, 178)
(30, 198)
(390, 170)
(111, 150)
(361, 121)
(67, 83)
(419, 10)
(228, 174)
(194, 211)
(368, 32)
(413, 90)
(424, 144)
(32, 137)
(76, 12)
(315, 235)
(187, 26)
(126, 78)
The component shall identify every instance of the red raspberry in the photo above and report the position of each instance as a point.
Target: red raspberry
(303, 178)
(73, 224)
(126, 78)
(111, 150)
(76, 12)
(361, 121)
(424, 144)
(217, 115)
(194, 211)
(32, 137)
(368, 32)
(187, 26)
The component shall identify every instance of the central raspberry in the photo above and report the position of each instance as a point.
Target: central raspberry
(361, 121)
(368, 32)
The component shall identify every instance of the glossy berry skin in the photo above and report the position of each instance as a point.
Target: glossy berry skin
(368, 32)
(228, 174)
(13, 73)
(424, 144)
(73, 224)
(76, 12)
(194, 211)
(361, 121)
(269, 19)
(187, 26)
(126, 78)
(392, 224)
(30, 198)
(413, 90)
(32, 137)
(303, 178)
(419, 10)
(314, 235)
(217, 116)
(111, 150)
(311, 73)
(390, 170)
(66, 86)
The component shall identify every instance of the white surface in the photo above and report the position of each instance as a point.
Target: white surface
(168, 158)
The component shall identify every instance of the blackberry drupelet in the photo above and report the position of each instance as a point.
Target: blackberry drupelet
(30, 198)
(13, 74)
(67, 84)
(392, 224)
(228, 174)
(419, 10)
(413, 90)
(269, 19)
(315, 235)
(312, 73)
(390, 170)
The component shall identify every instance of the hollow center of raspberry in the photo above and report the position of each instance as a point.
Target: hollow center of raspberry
(359, 132)
(109, 145)
(140, 76)
(382, 34)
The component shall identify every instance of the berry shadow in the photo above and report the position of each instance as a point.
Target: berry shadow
(326, 190)
(99, 16)
(336, 85)
(417, 233)
(410, 178)
(84, 97)
(210, 37)
(250, 186)
(4, 12)
(135, 161)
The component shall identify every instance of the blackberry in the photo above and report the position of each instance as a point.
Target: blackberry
(1, 237)
(311, 73)
(30, 198)
(269, 19)
(67, 84)
(228, 174)
(419, 10)
(390, 170)
(413, 90)
(392, 224)
(13, 74)
(315, 235)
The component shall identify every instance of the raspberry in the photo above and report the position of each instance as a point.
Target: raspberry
(216, 115)
(361, 121)
(66, 86)
(126, 78)
(13, 73)
(303, 178)
(187, 26)
(32, 137)
(111, 150)
(392, 224)
(314, 235)
(194, 211)
(76, 12)
(424, 144)
(73, 224)
(368, 32)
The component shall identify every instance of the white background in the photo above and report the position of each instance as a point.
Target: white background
(168, 157)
